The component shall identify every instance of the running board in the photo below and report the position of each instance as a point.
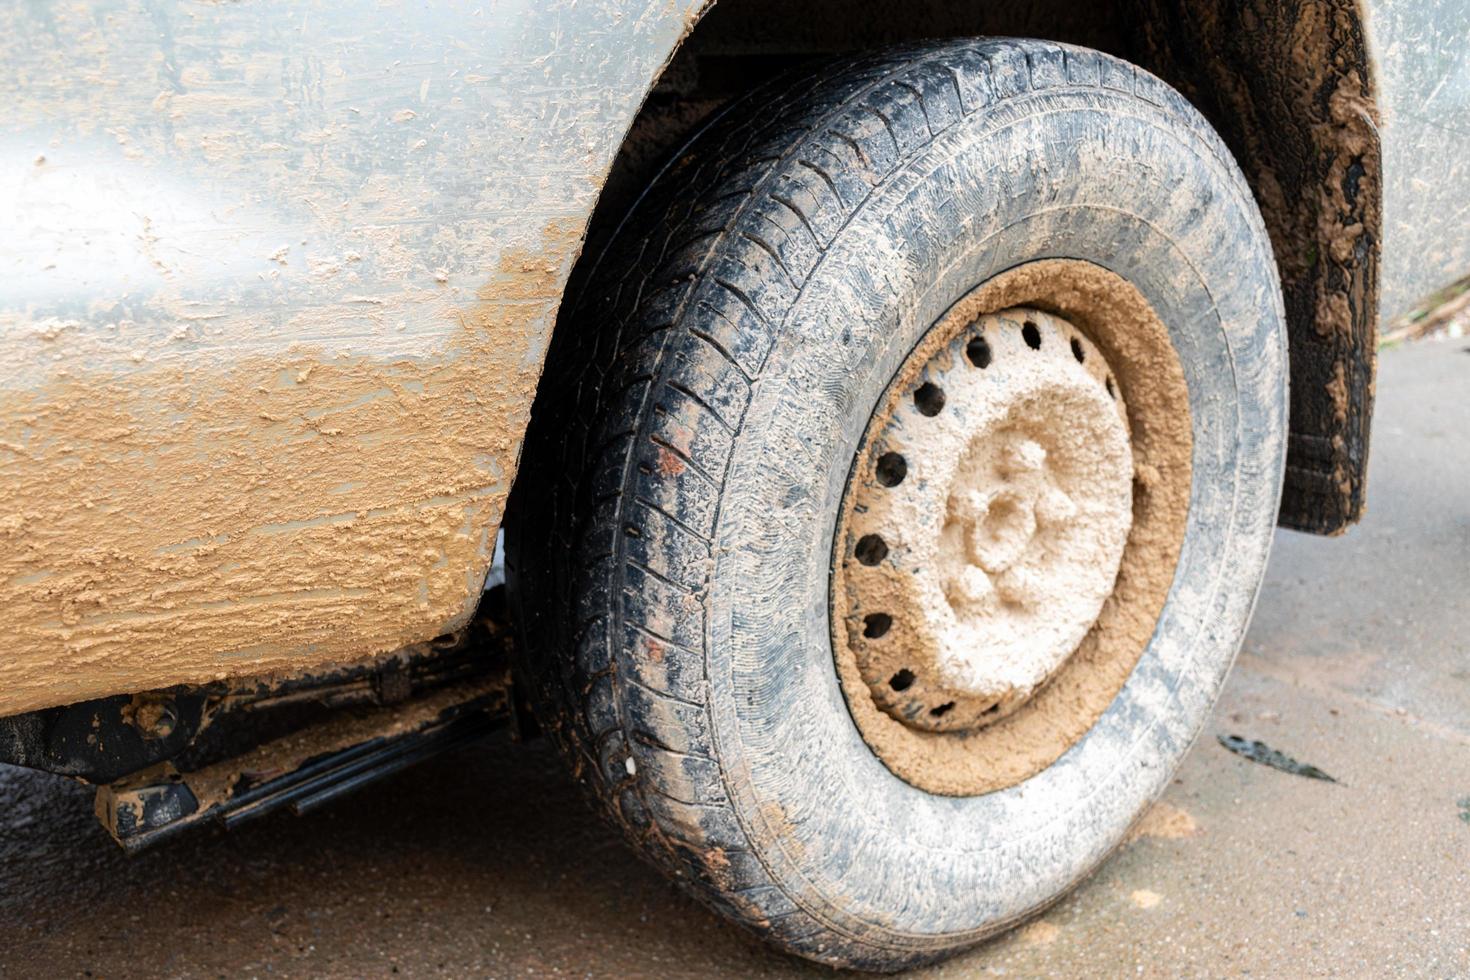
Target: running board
(302, 771)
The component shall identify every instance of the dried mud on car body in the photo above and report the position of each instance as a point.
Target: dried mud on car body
(308, 489)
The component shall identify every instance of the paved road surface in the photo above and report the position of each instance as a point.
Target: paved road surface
(486, 863)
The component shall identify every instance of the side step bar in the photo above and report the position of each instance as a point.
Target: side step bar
(342, 772)
(303, 770)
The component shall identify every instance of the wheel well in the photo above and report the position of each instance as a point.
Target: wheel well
(1286, 84)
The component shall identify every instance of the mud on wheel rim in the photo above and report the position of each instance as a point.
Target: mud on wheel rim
(986, 605)
(990, 529)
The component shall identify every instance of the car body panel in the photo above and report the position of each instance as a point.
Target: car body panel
(276, 281)
(1422, 68)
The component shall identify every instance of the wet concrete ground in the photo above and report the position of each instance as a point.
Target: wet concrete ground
(486, 863)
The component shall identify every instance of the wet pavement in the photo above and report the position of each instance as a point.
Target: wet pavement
(487, 863)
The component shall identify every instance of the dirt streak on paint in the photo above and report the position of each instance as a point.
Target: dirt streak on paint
(222, 516)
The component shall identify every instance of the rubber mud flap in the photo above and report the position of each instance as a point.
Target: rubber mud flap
(670, 541)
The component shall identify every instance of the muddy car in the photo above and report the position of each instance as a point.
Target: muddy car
(883, 410)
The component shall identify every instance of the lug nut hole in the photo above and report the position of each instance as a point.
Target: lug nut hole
(876, 625)
(1112, 392)
(1032, 335)
(902, 680)
(929, 399)
(871, 549)
(891, 469)
(1077, 350)
(978, 351)
(942, 710)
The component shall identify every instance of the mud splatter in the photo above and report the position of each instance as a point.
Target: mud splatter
(232, 514)
(1040, 933)
(1164, 821)
(1145, 899)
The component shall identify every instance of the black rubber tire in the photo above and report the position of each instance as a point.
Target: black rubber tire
(670, 536)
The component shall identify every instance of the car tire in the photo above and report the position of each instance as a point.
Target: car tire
(675, 539)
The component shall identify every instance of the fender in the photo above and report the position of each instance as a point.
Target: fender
(278, 281)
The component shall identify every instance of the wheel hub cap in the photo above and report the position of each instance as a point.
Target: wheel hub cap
(987, 531)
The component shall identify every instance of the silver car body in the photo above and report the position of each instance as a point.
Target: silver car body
(277, 284)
